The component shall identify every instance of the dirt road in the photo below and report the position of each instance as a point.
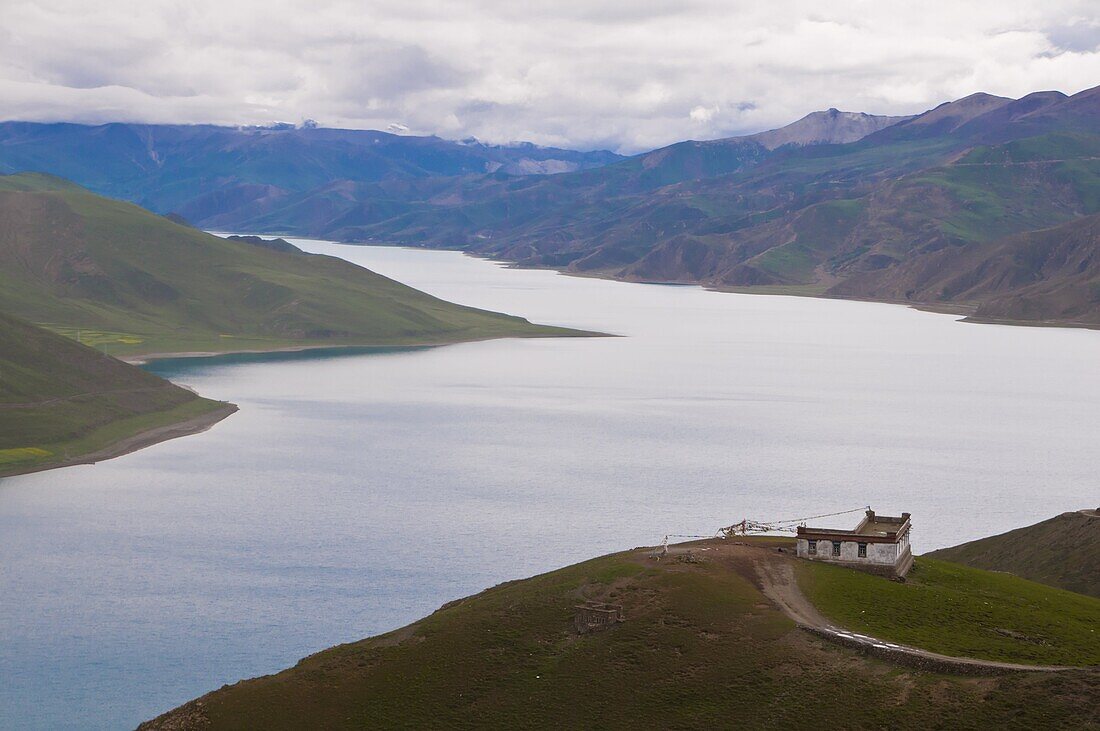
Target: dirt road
(773, 573)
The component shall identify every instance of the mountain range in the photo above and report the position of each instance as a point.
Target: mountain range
(197, 169)
(981, 204)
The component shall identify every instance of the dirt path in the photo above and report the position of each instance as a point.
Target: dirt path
(774, 574)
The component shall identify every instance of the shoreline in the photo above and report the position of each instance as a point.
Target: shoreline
(145, 358)
(965, 312)
(140, 440)
(203, 422)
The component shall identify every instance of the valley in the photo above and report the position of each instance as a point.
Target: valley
(347, 348)
(351, 495)
(974, 204)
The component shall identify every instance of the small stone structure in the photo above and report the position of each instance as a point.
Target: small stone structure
(879, 544)
(596, 616)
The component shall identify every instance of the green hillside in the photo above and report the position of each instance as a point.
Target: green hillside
(961, 611)
(134, 282)
(1061, 551)
(701, 647)
(61, 401)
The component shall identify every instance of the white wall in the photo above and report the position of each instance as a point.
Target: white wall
(885, 554)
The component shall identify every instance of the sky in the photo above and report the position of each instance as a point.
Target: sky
(627, 75)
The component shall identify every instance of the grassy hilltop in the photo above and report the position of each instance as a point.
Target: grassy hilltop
(60, 401)
(133, 282)
(701, 647)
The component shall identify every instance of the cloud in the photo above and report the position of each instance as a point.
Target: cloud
(702, 114)
(581, 73)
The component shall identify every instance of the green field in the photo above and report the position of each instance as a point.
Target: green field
(961, 611)
(701, 647)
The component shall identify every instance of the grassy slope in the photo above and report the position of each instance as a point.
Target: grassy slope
(60, 400)
(140, 283)
(961, 611)
(701, 647)
(1060, 552)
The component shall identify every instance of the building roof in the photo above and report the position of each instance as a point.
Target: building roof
(872, 529)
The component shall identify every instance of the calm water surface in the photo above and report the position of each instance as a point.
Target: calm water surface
(355, 493)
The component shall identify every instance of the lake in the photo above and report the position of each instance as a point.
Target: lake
(355, 493)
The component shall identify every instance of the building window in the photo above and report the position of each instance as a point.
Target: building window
(813, 547)
(836, 548)
(863, 550)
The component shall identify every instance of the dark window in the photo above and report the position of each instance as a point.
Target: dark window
(863, 550)
(813, 547)
(836, 548)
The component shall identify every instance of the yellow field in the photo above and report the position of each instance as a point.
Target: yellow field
(22, 454)
(94, 338)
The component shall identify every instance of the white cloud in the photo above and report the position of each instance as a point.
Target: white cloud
(583, 73)
(702, 114)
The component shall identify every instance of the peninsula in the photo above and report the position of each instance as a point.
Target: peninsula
(84, 278)
(714, 633)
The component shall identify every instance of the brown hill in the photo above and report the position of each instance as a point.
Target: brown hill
(703, 643)
(1050, 275)
(1062, 552)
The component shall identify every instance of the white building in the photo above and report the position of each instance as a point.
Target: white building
(879, 544)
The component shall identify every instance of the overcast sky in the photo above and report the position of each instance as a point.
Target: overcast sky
(622, 74)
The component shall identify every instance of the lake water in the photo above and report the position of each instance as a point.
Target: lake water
(355, 493)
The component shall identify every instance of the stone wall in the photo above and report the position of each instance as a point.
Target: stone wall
(903, 656)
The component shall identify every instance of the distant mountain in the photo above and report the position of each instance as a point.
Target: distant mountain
(1061, 551)
(166, 168)
(842, 203)
(830, 127)
(143, 284)
(62, 402)
(1050, 275)
(836, 218)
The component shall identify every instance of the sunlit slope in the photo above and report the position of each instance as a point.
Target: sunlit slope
(962, 612)
(60, 400)
(701, 647)
(140, 283)
(1063, 551)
